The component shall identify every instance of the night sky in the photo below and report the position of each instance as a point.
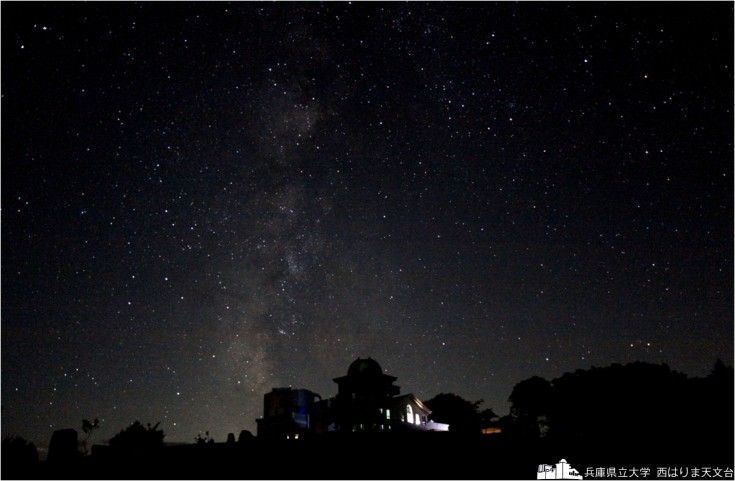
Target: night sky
(201, 202)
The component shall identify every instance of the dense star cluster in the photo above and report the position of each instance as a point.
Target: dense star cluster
(201, 202)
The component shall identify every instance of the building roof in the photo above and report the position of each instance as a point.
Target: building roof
(364, 367)
(416, 401)
(365, 370)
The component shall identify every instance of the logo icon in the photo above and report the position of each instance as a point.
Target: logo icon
(561, 470)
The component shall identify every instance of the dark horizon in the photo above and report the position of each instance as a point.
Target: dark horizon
(202, 202)
(629, 415)
(42, 444)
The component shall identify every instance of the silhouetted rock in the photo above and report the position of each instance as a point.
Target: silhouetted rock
(64, 447)
(245, 436)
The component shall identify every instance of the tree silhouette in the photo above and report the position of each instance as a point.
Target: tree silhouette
(19, 456)
(531, 398)
(206, 439)
(461, 415)
(530, 404)
(630, 407)
(721, 373)
(89, 427)
(138, 437)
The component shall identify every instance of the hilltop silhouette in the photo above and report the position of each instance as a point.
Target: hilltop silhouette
(634, 414)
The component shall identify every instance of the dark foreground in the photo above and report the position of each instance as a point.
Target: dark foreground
(402, 456)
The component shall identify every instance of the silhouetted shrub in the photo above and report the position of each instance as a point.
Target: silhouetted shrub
(138, 437)
(245, 436)
(19, 456)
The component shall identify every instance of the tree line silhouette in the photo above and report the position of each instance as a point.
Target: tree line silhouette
(633, 413)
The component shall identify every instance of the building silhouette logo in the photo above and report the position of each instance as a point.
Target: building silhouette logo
(560, 470)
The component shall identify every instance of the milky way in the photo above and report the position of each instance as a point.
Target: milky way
(202, 202)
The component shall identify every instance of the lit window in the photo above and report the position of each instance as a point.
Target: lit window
(296, 436)
(387, 414)
(417, 419)
(409, 414)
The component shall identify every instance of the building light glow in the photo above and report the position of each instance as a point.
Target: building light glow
(491, 430)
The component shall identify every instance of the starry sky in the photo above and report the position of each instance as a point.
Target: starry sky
(201, 202)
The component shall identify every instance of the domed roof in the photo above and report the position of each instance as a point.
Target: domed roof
(365, 367)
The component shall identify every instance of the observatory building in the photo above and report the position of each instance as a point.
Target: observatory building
(367, 400)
